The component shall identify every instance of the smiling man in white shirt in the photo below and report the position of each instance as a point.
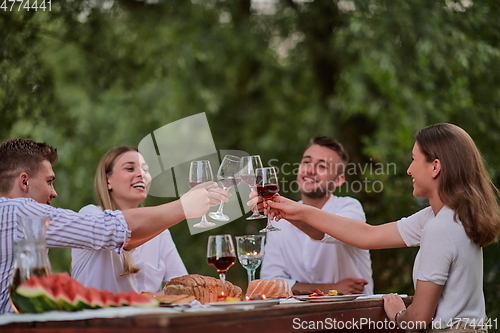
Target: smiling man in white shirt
(328, 264)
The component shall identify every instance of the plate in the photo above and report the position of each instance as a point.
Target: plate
(256, 304)
(317, 299)
(378, 296)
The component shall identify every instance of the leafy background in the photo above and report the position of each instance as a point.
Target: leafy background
(269, 74)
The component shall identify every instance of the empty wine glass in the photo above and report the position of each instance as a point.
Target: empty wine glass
(266, 180)
(201, 172)
(229, 176)
(221, 255)
(248, 166)
(250, 253)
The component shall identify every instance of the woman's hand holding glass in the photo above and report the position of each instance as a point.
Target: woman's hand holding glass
(248, 166)
(229, 176)
(204, 193)
(267, 187)
(197, 201)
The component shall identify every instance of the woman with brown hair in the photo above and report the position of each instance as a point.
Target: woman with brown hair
(463, 216)
(121, 182)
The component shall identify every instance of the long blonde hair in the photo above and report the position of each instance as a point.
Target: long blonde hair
(104, 199)
(464, 183)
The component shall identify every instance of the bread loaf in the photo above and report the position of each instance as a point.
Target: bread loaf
(204, 288)
(271, 288)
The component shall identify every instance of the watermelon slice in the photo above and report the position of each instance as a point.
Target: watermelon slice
(141, 301)
(108, 298)
(61, 292)
(122, 299)
(81, 301)
(94, 298)
(33, 297)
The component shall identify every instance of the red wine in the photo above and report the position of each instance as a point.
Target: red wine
(229, 182)
(222, 264)
(248, 179)
(193, 184)
(267, 191)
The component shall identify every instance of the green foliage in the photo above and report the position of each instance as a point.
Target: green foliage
(88, 76)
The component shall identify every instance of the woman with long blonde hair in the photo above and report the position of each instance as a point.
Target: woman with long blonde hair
(463, 217)
(121, 182)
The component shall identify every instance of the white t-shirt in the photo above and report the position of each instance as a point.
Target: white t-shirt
(448, 257)
(158, 260)
(292, 255)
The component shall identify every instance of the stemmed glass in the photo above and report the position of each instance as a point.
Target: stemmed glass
(248, 166)
(229, 176)
(201, 172)
(221, 255)
(266, 180)
(250, 253)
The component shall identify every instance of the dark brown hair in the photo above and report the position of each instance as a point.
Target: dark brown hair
(22, 155)
(333, 144)
(464, 183)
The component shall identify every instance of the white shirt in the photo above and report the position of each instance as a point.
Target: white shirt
(157, 259)
(448, 257)
(292, 255)
(66, 229)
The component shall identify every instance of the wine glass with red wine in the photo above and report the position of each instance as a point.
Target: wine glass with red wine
(200, 172)
(248, 166)
(229, 176)
(266, 180)
(221, 255)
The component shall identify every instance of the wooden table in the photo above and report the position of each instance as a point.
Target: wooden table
(292, 317)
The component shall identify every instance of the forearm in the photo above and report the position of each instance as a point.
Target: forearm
(351, 231)
(422, 309)
(411, 319)
(308, 229)
(147, 222)
(424, 304)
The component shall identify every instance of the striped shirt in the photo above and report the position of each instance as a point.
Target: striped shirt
(66, 229)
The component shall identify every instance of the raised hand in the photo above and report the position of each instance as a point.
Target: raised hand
(255, 199)
(282, 208)
(198, 200)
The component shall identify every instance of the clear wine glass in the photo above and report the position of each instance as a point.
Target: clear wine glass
(250, 253)
(248, 166)
(221, 255)
(266, 180)
(229, 176)
(201, 172)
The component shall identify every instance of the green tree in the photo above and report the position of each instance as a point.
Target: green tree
(91, 75)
